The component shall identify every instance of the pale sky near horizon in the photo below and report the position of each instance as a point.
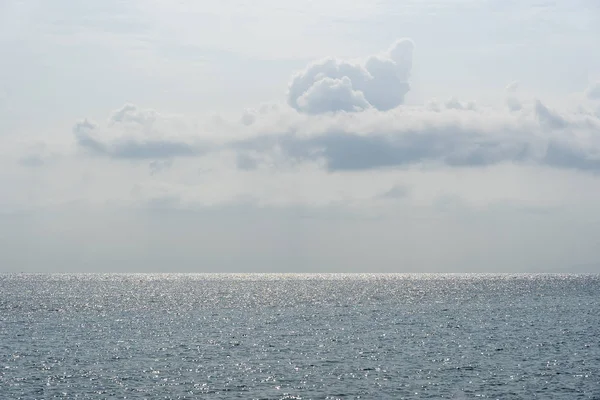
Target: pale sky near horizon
(287, 136)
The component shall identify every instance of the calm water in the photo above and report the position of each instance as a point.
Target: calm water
(300, 336)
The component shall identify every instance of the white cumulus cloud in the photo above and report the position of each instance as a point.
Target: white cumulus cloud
(330, 85)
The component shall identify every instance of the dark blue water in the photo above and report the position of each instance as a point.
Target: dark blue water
(300, 336)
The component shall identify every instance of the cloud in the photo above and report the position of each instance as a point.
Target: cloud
(329, 94)
(32, 160)
(572, 156)
(82, 131)
(349, 116)
(152, 149)
(130, 113)
(397, 192)
(512, 102)
(248, 117)
(445, 145)
(455, 134)
(37, 155)
(593, 91)
(158, 166)
(512, 87)
(246, 162)
(134, 149)
(455, 104)
(332, 85)
(548, 118)
(131, 135)
(445, 137)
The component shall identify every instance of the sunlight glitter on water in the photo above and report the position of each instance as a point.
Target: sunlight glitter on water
(309, 336)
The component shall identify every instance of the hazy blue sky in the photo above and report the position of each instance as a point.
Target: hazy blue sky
(293, 136)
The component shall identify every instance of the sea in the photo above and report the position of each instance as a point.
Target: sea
(295, 336)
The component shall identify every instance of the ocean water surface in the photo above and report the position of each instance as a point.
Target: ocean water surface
(178, 336)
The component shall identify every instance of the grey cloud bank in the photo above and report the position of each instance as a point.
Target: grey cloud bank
(135, 139)
(448, 143)
(133, 149)
(452, 136)
(350, 117)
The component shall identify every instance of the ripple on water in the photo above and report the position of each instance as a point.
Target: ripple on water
(299, 336)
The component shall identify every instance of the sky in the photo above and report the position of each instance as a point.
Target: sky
(286, 136)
